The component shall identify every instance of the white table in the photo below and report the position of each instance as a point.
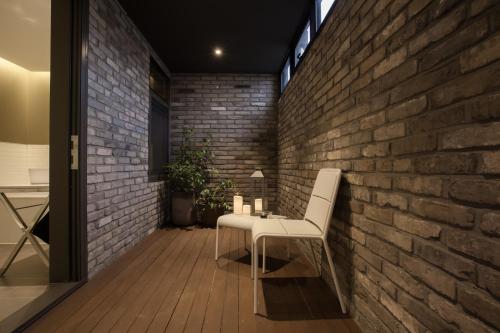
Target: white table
(25, 200)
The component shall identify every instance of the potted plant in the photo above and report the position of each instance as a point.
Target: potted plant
(212, 203)
(187, 176)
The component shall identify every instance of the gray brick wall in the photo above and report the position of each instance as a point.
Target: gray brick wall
(238, 112)
(404, 97)
(123, 205)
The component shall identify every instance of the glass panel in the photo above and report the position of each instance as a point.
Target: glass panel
(285, 75)
(302, 43)
(323, 8)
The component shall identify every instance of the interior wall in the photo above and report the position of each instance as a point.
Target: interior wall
(404, 97)
(237, 113)
(123, 205)
(24, 104)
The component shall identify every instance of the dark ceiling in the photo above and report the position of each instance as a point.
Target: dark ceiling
(254, 34)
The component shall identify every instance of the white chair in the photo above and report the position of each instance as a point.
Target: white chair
(244, 222)
(314, 225)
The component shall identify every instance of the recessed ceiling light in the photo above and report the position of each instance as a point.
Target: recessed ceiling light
(218, 51)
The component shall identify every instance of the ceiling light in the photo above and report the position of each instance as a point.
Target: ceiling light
(218, 51)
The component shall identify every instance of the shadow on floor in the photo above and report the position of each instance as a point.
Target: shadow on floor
(300, 298)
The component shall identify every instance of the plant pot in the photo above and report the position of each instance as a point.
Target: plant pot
(209, 216)
(183, 209)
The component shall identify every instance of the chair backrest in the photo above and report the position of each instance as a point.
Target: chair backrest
(323, 196)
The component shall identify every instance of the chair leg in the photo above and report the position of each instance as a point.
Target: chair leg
(334, 275)
(255, 276)
(217, 242)
(263, 255)
(288, 248)
(13, 254)
(251, 260)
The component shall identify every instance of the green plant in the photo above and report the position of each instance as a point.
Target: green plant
(189, 172)
(214, 197)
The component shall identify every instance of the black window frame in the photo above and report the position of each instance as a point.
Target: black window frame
(163, 98)
(310, 18)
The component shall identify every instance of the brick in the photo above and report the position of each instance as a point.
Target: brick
(373, 121)
(489, 163)
(420, 185)
(479, 304)
(463, 269)
(473, 245)
(490, 224)
(369, 62)
(389, 132)
(408, 109)
(430, 121)
(476, 136)
(375, 150)
(489, 280)
(464, 38)
(439, 30)
(453, 315)
(390, 29)
(416, 226)
(391, 200)
(411, 324)
(414, 144)
(481, 54)
(443, 212)
(390, 62)
(476, 191)
(405, 281)
(424, 314)
(383, 249)
(369, 256)
(430, 275)
(467, 86)
(378, 181)
(464, 163)
(394, 237)
(383, 215)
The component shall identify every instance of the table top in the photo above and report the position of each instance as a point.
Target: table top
(27, 195)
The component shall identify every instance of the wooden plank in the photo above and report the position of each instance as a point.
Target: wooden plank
(183, 308)
(122, 314)
(197, 313)
(164, 314)
(64, 311)
(147, 314)
(230, 311)
(85, 318)
(170, 282)
(215, 305)
(247, 322)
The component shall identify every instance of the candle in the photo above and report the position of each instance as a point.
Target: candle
(258, 205)
(237, 204)
(247, 209)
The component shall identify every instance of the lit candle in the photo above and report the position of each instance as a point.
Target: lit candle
(247, 209)
(237, 204)
(258, 205)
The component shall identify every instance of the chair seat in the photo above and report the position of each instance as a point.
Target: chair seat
(244, 222)
(285, 228)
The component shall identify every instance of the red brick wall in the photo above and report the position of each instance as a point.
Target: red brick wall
(404, 97)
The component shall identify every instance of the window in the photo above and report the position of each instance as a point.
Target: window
(285, 75)
(322, 9)
(159, 86)
(302, 43)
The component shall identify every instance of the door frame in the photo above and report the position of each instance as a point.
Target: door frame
(68, 116)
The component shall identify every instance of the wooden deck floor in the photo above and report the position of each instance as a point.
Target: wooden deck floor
(171, 283)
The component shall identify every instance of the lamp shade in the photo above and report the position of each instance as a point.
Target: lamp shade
(257, 174)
